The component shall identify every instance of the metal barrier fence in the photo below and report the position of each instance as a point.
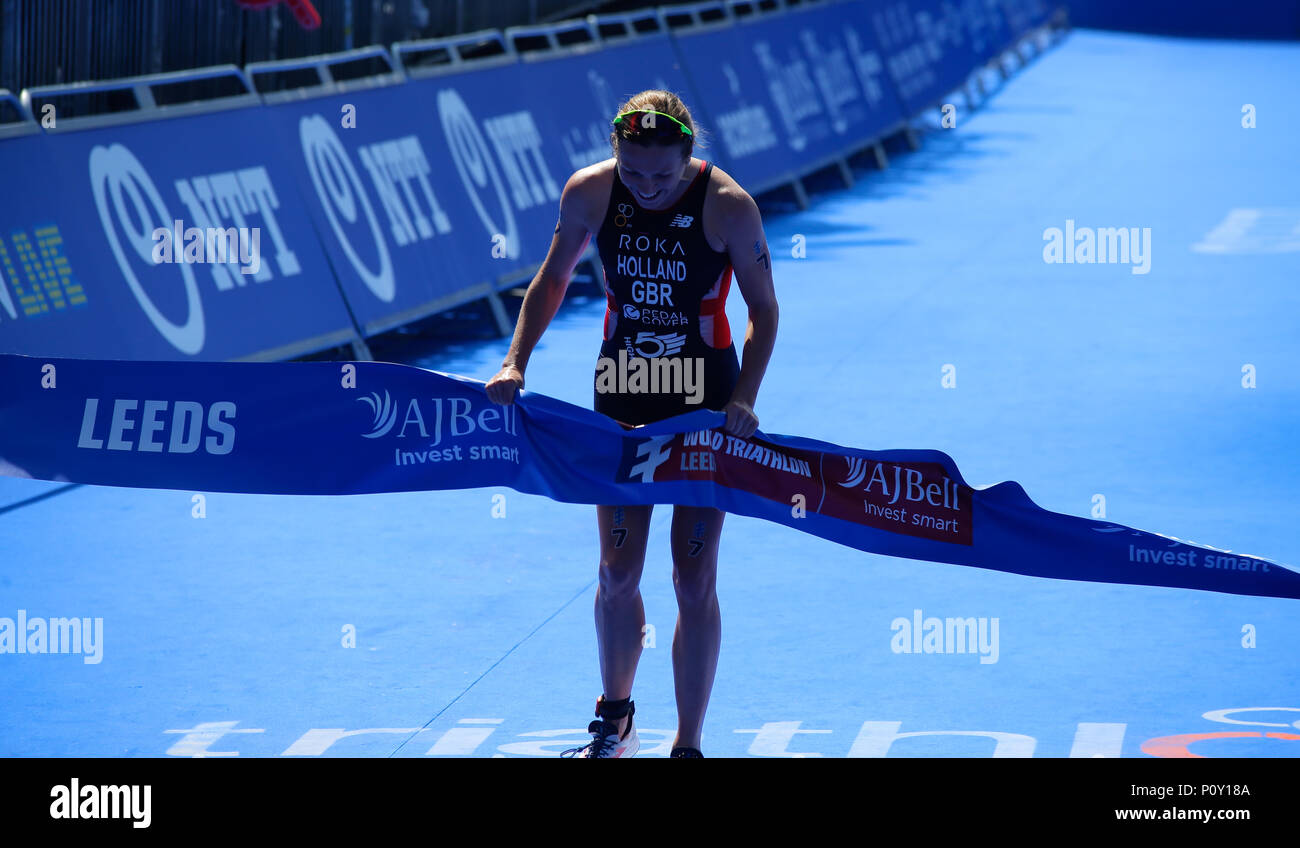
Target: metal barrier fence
(56, 42)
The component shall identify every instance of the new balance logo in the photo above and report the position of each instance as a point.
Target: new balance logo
(682, 221)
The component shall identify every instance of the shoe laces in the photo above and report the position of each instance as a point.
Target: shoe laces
(604, 736)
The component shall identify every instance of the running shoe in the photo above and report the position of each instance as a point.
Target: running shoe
(605, 741)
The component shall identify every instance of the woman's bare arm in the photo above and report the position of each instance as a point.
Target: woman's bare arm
(742, 230)
(546, 291)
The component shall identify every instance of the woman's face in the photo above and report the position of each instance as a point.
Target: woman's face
(651, 173)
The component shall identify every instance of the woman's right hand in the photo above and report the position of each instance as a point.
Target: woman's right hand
(501, 388)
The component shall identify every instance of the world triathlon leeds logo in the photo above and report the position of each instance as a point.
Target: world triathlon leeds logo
(385, 414)
(642, 456)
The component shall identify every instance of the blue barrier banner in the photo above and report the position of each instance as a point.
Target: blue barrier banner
(329, 428)
(396, 202)
(576, 96)
(1024, 15)
(987, 28)
(378, 183)
(79, 274)
(426, 192)
(784, 92)
(928, 49)
(41, 289)
(1265, 19)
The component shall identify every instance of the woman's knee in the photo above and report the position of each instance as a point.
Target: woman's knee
(620, 577)
(695, 582)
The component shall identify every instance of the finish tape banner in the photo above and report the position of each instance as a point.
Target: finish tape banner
(331, 428)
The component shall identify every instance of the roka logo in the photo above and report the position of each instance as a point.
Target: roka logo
(385, 414)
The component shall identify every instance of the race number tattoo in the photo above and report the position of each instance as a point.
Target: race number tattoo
(760, 254)
(619, 532)
(697, 544)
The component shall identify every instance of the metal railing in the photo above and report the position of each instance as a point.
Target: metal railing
(58, 42)
(273, 82)
(135, 98)
(431, 56)
(143, 101)
(15, 118)
(570, 36)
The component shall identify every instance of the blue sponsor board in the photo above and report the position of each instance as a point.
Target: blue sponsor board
(1201, 18)
(400, 201)
(378, 183)
(987, 28)
(1024, 15)
(929, 50)
(577, 95)
(84, 274)
(786, 92)
(448, 185)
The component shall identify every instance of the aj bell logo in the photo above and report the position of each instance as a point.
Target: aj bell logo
(437, 418)
(385, 414)
(681, 221)
(907, 483)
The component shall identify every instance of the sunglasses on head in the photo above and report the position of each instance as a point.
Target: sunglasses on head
(635, 123)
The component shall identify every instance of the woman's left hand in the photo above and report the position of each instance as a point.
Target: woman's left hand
(741, 420)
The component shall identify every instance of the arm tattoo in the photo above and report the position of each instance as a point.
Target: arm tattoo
(761, 256)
